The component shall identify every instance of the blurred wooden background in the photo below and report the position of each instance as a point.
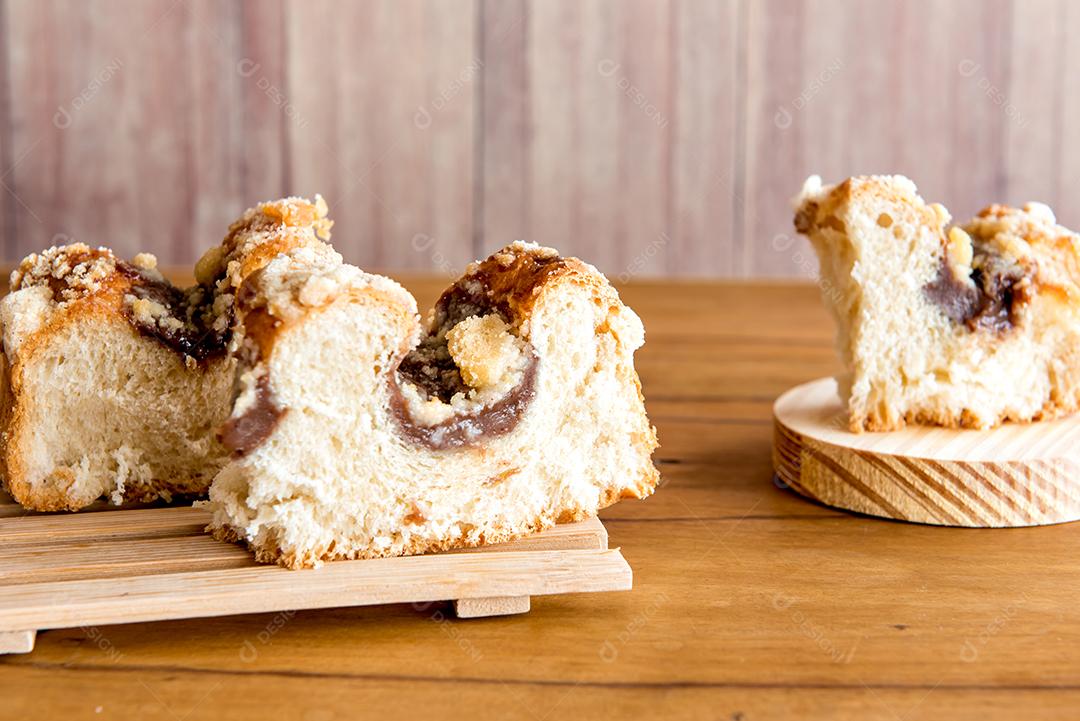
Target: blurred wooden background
(650, 137)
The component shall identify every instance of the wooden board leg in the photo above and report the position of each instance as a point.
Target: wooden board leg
(492, 606)
(18, 641)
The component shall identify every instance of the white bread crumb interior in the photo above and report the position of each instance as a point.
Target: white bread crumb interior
(888, 259)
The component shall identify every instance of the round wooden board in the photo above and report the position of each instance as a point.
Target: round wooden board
(1013, 475)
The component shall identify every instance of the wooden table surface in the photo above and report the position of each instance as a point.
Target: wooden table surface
(748, 603)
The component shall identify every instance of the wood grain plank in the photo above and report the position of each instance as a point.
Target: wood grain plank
(217, 140)
(645, 79)
(793, 314)
(841, 603)
(484, 607)
(243, 695)
(559, 164)
(238, 590)
(595, 107)
(8, 194)
(123, 544)
(634, 165)
(1041, 112)
(116, 556)
(505, 129)
(267, 118)
(1069, 154)
(28, 566)
(704, 183)
(44, 529)
(17, 641)
(389, 141)
(119, 134)
(845, 87)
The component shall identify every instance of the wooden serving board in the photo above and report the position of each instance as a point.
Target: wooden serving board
(1013, 475)
(150, 564)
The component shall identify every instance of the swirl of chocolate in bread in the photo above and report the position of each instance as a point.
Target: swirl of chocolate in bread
(486, 290)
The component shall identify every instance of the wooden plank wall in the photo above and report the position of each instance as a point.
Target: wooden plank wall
(652, 137)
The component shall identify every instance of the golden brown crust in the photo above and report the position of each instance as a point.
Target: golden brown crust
(814, 213)
(261, 234)
(516, 275)
(965, 419)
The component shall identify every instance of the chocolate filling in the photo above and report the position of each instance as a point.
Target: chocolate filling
(246, 432)
(429, 366)
(432, 369)
(497, 286)
(196, 337)
(459, 431)
(989, 301)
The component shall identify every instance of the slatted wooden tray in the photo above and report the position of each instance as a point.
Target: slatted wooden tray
(123, 566)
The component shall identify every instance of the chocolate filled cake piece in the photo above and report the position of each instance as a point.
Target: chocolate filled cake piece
(359, 432)
(114, 381)
(963, 326)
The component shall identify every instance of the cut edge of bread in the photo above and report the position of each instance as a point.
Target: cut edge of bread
(909, 359)
(71, 290)
(281, 311)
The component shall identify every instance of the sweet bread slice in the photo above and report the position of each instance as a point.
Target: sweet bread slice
(113, 382)
(358, 433)
(960, 326)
